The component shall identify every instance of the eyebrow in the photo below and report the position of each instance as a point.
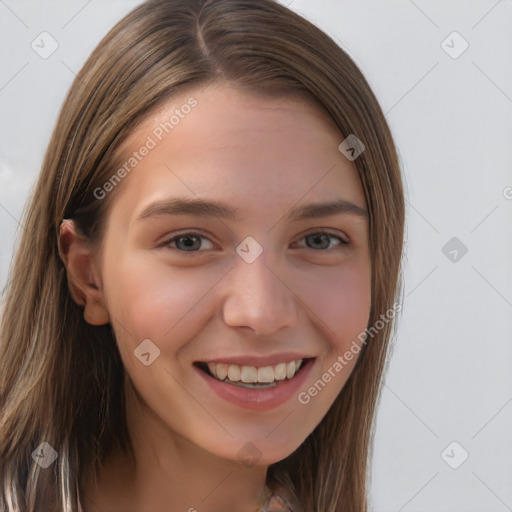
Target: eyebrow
(208, 208)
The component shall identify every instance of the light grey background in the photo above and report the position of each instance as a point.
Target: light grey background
(450, 376)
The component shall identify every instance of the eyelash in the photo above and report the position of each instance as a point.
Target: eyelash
(190, 234)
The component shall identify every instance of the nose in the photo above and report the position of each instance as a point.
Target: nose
(259, 297)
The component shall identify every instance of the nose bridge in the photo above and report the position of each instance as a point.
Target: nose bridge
(257, 296)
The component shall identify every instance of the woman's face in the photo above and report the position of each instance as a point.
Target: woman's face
(221, 255)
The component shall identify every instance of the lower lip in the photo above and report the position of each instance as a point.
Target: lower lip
(259, 399)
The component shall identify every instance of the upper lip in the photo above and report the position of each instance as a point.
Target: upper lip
(259, 361)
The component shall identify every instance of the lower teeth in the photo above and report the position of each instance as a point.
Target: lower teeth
(250, 384)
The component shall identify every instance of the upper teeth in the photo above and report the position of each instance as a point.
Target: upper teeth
(250, 374)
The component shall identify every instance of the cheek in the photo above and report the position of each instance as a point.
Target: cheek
(340, 300)
(148, 299)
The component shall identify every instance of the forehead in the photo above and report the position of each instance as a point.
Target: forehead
(238, 146)
(221, 109)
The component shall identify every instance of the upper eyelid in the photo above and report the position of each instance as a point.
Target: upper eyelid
(326, 231)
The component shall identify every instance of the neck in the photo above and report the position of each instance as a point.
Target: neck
(167, 472)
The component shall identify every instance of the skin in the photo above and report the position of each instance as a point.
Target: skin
(262, 156)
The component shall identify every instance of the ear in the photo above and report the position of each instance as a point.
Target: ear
(83, 277)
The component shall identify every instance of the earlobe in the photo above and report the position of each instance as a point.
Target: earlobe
(96, 314)
(83, 280)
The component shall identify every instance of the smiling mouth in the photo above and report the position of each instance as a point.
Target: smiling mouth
(251, 376)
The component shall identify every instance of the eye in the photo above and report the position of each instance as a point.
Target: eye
(323, 240)
(188, 242)
(195, 242)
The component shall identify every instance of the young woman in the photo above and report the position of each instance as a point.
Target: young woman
(199, 310)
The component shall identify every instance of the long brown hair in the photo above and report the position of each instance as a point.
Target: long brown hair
(61, 378)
